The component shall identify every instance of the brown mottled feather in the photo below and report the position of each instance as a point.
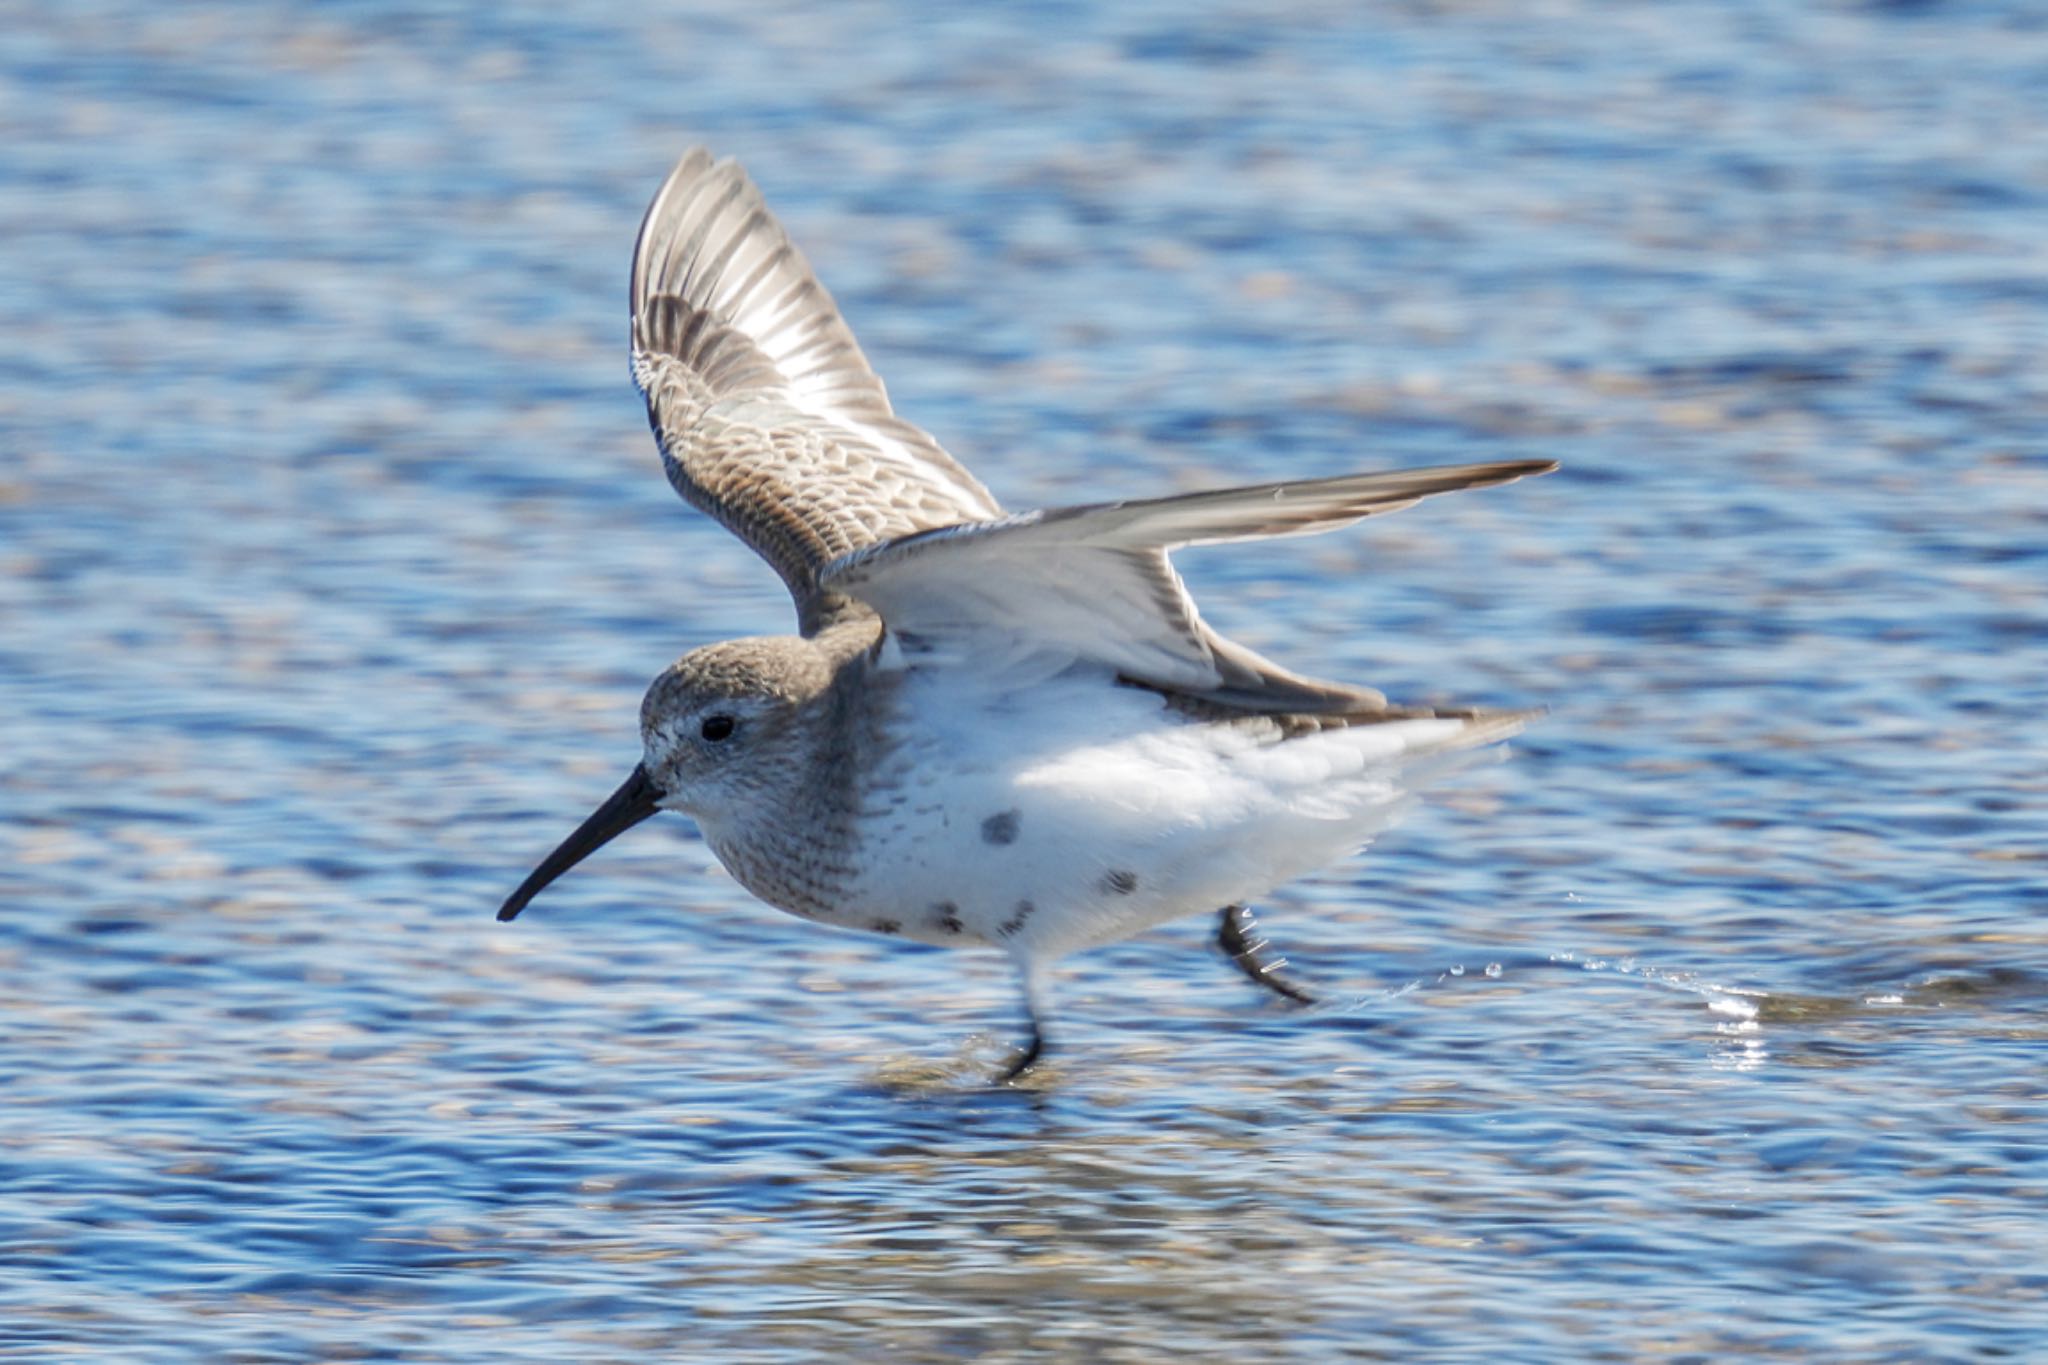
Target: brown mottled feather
(768, 415)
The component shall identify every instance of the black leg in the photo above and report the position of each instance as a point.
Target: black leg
(1026, 1059)
(1034, 1014)
(1234, 937)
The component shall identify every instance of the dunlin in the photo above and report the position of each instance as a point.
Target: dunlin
(994, 730)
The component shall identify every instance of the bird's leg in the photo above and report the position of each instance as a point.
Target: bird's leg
(1026, 1059)
(1034, 1014)
(1234, 937)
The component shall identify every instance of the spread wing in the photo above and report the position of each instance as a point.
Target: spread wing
(1093, 584)
(768, 416)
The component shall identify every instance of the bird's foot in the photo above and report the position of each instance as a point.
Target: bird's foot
(1028, 1058)
(1236, 936)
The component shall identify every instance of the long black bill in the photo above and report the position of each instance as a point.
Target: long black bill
(623, 809)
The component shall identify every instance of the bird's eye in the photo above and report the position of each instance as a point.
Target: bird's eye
(716, 728)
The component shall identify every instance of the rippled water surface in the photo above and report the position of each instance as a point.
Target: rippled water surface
(334, 557)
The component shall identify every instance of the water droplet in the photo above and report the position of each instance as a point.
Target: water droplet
(1493, 970)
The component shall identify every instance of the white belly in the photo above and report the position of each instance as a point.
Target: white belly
(1076, 813)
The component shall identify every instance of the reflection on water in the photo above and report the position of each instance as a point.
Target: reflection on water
(334, 555)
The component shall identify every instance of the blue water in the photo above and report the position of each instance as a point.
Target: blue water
(334, 556)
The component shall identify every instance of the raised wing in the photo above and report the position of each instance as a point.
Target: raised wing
(1093, 584)
(767, 413)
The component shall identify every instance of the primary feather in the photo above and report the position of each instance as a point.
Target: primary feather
(1093, 584)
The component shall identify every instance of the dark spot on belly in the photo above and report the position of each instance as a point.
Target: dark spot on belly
(887, 926)
(1009, 927)
(1120, 882)
(947, 916)
(1001, 828)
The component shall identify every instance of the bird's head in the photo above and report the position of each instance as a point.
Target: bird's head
(727, 733)
(730, 725)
